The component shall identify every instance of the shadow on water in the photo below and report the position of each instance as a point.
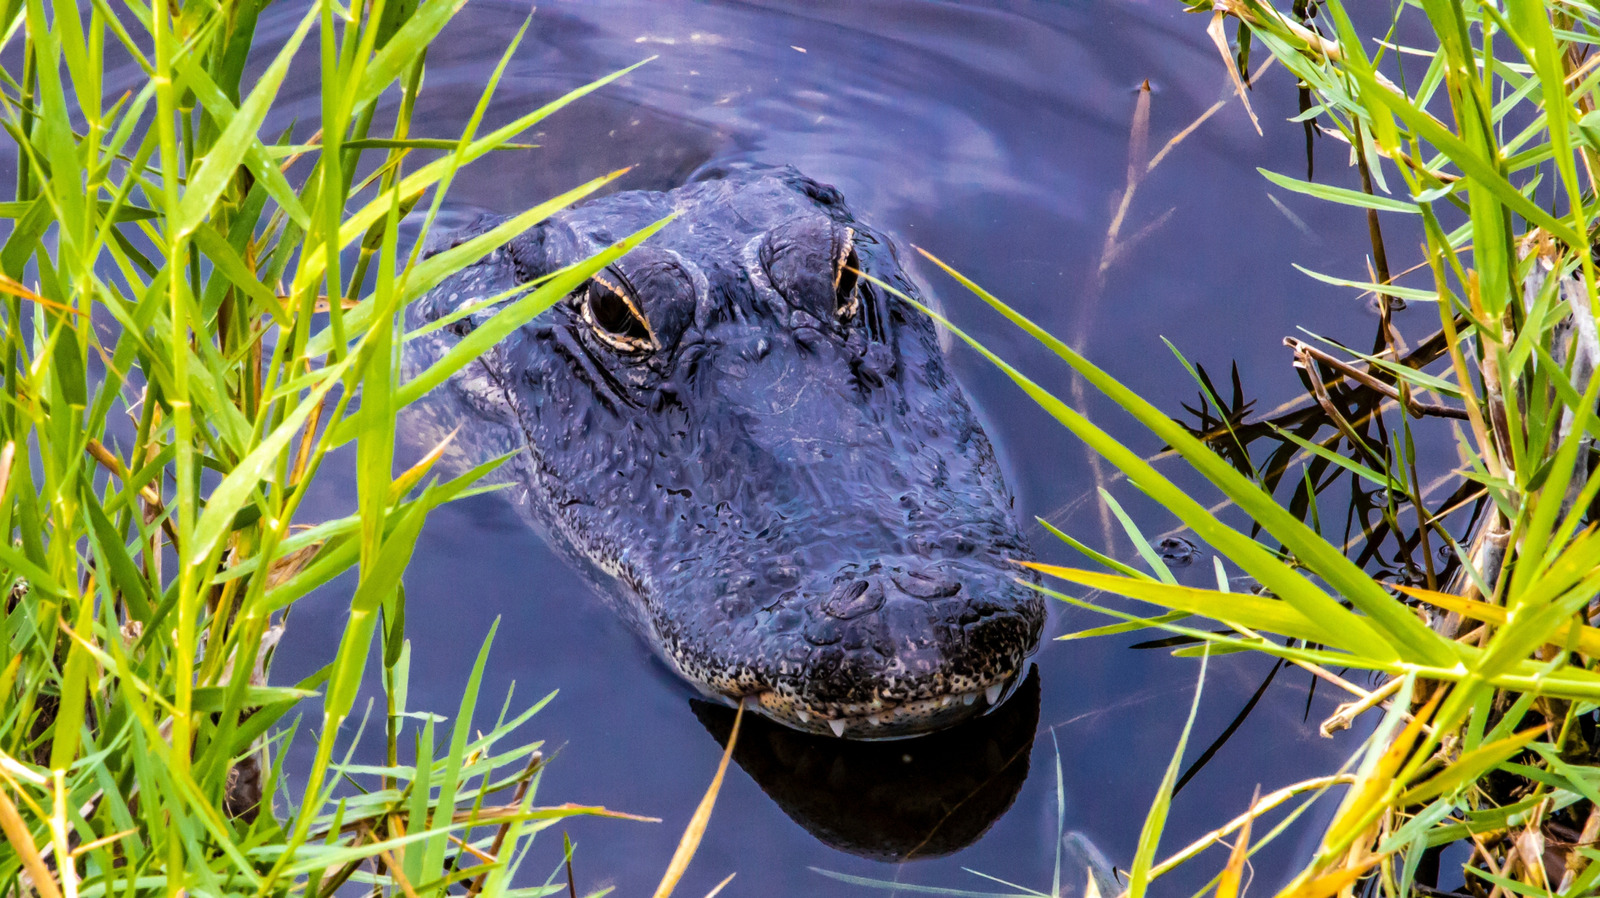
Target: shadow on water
(895, 800)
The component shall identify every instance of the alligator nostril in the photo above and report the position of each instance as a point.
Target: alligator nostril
(757, 350)
(926, 586)
(853, 599)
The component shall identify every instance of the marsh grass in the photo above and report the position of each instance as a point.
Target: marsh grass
(198, 315)
(1470, 596)
(1486, 135)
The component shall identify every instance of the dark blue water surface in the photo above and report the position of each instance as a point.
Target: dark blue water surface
(996, 136)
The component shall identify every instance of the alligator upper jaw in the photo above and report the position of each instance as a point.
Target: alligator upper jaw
(882, 719)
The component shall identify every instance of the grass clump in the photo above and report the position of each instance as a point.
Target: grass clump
(197, 315)
(1471, 595)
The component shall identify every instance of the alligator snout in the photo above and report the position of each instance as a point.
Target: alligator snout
(889, 648)
(898, 653)
(758, 455)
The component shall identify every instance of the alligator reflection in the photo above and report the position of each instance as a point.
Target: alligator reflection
(895, 800)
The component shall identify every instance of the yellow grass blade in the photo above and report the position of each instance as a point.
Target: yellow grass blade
(1588, 637)
(725, 880)
(21, 841)
(1233, 873)
(1244, 609)
(1331, 884)
(1367, 797)
(702, 816)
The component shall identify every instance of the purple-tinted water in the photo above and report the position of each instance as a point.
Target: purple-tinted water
(996, 136)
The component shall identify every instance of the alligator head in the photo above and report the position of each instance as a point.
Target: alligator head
(759, 455)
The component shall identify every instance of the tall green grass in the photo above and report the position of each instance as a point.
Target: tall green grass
(197, 315)
(1487, 135)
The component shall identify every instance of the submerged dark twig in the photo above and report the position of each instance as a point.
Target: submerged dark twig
(1227, 733)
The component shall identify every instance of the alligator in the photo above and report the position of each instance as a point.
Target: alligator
(754, 449)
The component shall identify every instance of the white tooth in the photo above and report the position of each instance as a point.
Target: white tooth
(992, 693)
(804, 717)
(838, 727)
(873, 719)
(968, 698)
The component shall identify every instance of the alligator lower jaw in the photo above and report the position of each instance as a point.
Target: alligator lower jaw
(903, 720)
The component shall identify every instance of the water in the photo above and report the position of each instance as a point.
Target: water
(996, 136)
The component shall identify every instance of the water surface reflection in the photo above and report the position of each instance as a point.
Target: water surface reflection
(891, 800)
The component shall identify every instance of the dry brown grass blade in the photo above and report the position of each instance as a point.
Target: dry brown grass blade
(1257, 808)
(569, 809)
(1219, 36)
(702, 816)
(1393, 155)
(535, 762)
(113, 464)
(7, 285)
(103, 456)
(725, 880)
(286, 566)
(1313, 43)
(1233, 873)
(101, 842)
(21, 841)
(398, 874)
(1349, 711)
(1363, 804)
(307, 437)
(467, 847)
(1415, 406)
(1530, 848)
(1200, 119)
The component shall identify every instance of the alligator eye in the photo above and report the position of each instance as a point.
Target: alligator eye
(845, 278)
(610, 308)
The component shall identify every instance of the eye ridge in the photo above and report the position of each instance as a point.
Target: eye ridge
(611, 309)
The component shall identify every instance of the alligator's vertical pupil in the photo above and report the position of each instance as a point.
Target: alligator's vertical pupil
(611, 313)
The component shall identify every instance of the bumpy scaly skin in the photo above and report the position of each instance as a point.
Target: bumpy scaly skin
(795, 505)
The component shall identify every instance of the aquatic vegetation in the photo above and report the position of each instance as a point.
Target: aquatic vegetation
(1477, 614)
(198, 320)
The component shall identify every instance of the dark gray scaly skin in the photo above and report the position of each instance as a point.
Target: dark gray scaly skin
(772, 472)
